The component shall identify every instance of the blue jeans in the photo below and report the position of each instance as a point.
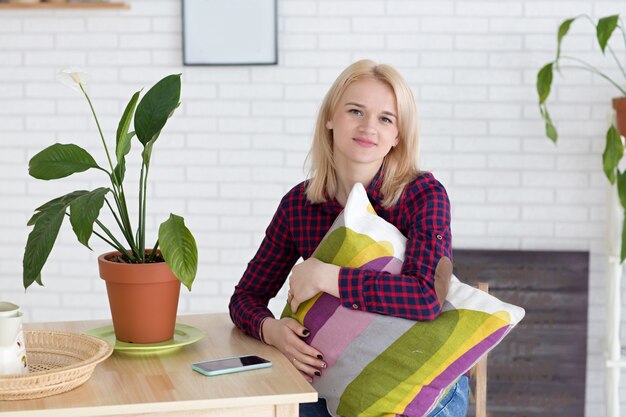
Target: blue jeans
(454, 404)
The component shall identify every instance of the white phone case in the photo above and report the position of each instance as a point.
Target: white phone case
(228, 370)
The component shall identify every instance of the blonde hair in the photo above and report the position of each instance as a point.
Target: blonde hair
(399, 166)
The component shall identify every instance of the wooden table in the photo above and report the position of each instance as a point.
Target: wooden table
(163, 384)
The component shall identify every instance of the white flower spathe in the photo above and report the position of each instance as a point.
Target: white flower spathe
(73, 77)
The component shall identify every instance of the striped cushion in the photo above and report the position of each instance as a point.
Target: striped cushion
(381, 365)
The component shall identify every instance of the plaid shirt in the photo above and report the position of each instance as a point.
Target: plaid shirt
(298, 226)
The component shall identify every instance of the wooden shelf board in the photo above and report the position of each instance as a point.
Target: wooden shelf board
(64, 6)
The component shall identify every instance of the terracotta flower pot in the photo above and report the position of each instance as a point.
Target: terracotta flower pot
(143, 299)
(619, 104)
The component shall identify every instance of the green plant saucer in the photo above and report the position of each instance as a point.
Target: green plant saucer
(183, 335)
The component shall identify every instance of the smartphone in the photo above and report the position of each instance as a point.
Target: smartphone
(230, 365)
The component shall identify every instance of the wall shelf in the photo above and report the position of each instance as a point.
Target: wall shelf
(91, 5)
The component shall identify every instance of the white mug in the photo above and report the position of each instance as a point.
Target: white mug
(9, 309)
(12, 347)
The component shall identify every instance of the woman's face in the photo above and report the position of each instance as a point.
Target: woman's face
(364, 124)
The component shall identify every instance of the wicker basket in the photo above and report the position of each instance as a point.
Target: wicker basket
(57, 362)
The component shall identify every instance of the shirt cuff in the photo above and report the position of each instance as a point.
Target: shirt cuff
(257, 326)
(261, 338)
(351, 288)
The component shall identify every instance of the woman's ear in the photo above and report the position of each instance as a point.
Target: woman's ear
(329, 125)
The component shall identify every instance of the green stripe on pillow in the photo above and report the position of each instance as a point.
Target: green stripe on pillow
(342, 245)
(381, 380)
(412, 359)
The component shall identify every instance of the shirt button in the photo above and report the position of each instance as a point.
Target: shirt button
(355, 306)
(439, 237)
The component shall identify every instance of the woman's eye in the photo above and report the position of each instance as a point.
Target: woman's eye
(356, 111)
(386, 120)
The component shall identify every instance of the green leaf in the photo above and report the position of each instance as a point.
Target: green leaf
(621, 187)
(118, 172)
(563, 29)
(84, 211)
(179, 249)
(156, 107)
(613, 153)
(34, 218)
(60, 160)
(122, 150)
(551, 132)
(605, 29)
(146, 154)
(544, 82)
(40, 242)
(122, 146)
(64, 200)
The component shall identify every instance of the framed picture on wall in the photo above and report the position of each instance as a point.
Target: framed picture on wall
(229, 32)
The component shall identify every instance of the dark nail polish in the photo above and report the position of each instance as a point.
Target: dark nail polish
(320, 357)
(318, 373)
(306, 332)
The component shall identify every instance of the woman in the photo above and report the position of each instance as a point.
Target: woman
(366, 132)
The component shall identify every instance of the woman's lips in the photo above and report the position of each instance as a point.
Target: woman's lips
(366, 143)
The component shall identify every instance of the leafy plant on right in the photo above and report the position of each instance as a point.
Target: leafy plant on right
(605, 28)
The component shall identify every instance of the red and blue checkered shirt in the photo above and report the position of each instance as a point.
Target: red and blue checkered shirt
(422, 214)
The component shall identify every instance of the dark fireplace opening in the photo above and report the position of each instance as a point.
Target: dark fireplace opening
(540, 367)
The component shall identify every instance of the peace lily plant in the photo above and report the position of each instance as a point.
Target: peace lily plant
(605, 28)
(175, 244)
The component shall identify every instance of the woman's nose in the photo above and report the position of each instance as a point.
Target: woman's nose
(367, 125)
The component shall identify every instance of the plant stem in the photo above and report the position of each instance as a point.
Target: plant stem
(617, 61)
(117, 191)
(129, 237)
(123, 212)
(125, 218)
(126, 229)
(107, 241)
(154, 251)
(586, 16)
(117, 245)
(141, 226)
(100, 236)
(114, 215)
(106, 149)
(143, 203)
(593, 69)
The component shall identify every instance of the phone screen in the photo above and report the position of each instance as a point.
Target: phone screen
(221, 364)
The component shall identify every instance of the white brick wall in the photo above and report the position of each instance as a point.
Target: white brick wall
(240, 138)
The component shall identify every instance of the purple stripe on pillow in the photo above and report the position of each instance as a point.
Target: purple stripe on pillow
(384, 263)
(340, 331)
(324, 306)
(394, 266)
(426, 397)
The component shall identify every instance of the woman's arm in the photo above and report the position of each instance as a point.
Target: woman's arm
(264, 275)
(414, 293)
(261, 281)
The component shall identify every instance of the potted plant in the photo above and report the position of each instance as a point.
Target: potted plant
(147, 280)
(614, 149)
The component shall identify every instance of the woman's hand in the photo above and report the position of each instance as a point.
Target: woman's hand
(309, 278)
(285, 335)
